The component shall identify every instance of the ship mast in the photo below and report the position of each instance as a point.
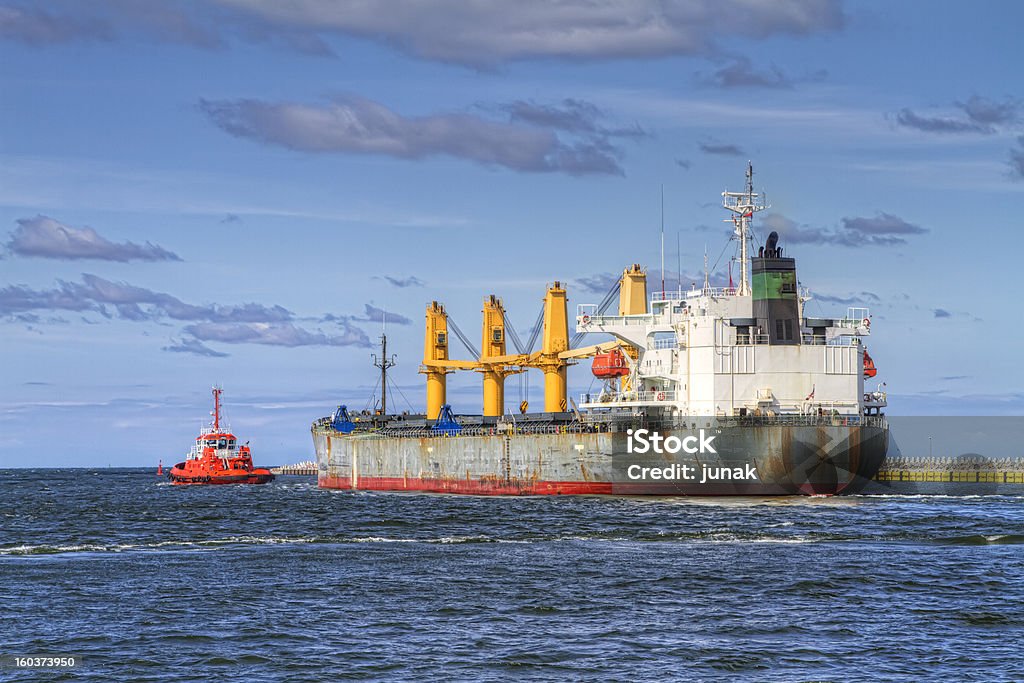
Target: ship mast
(217, 391)
(384, 363)
(744, 204)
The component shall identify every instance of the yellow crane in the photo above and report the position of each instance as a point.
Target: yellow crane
(492, 348)
(632, 301)
(495, 364)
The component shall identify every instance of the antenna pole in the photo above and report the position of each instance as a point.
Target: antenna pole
(663, 240)
(384, 374)
(216, 407)
(707, 283)
(679, 265)
(744, 232)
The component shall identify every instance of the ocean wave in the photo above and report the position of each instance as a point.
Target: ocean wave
(939, 496)
(234, 541)
(982, 539)
(786, 535)
(45, 549)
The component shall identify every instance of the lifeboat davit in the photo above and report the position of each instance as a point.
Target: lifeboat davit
(610, 365)
(869, 366)
(217, 458)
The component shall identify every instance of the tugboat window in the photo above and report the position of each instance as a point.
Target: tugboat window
(223, 443)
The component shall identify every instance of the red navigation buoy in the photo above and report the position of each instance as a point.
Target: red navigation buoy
(160, 468)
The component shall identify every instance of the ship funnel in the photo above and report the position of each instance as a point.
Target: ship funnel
(774, 294)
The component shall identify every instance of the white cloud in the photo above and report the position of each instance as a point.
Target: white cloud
(45, 237)
(459, 31)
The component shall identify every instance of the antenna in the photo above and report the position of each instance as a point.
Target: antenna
(744, 205)
(217, 391)
(679, 264)
(663, 240)
(707, 284)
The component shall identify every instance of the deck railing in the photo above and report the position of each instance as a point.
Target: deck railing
(683, 294)
(630, 397)
(597, 423)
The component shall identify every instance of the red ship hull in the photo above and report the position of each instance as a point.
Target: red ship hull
(474, 487)
(181, 475)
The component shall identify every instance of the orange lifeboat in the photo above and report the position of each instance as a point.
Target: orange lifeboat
(869, 366)
(217, 458)
(610, 365)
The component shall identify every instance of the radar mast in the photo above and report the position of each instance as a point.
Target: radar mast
(744, 205)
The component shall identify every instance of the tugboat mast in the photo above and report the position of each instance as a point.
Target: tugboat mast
(744, 204)
(217, 391)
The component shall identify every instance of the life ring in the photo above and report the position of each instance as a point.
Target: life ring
(661, 395)
(586, 320)
(867, 323)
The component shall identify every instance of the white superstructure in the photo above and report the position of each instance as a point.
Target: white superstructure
(694, 361)
(738, 351)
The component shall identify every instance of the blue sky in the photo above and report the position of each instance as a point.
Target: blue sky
(231, 191)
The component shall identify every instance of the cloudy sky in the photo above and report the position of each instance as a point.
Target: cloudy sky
(238, 191)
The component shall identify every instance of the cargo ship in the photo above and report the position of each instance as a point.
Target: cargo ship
(727, 390)
(216, 457)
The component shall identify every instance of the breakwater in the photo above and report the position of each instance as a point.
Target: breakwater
(961, 469)
(306, 467)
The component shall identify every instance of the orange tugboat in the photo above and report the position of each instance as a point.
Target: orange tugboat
(216, 458)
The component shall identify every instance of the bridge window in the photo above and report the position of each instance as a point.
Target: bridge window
(662, 340)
